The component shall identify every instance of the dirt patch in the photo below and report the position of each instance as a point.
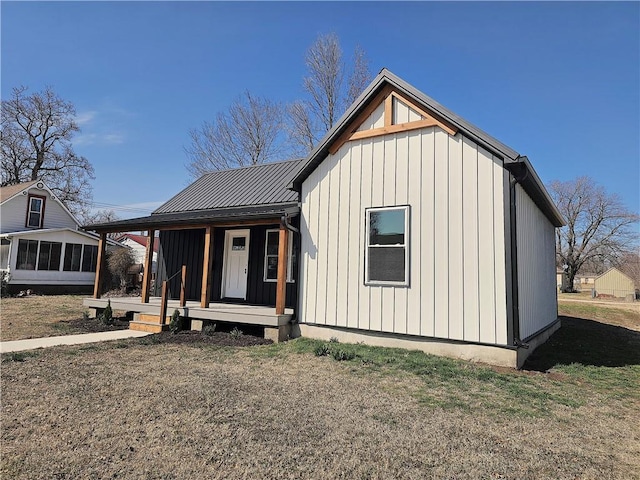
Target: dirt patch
(197, 339)
(93, 325)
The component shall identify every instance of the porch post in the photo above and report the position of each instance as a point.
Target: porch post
(281, 288)
(148, 265)
(206, 266)
(97, 285)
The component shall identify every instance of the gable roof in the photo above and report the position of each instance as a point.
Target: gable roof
(518, 165)
(253, 192)
(11, 191)
(264, 184)
(613, 270)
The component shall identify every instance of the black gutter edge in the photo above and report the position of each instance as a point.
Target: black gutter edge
(532, 184)
(514, 258)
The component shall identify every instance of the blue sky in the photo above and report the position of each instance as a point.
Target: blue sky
(558, 82)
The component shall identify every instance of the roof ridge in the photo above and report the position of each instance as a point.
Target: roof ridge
(257, 165)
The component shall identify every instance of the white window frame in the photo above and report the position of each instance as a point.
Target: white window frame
(406, 246)
(289, 256)
(40, 212)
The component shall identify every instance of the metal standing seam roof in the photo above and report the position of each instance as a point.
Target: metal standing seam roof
(263, 184)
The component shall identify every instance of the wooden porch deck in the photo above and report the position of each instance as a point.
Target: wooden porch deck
(221, 312)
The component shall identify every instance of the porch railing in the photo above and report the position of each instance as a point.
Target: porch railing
(165, 289)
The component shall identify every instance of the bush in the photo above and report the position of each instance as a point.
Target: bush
(236, 332)
(322, 350)
(119, 262)
(176, 322)
(106, 317)
(342, 355)
(209, 329)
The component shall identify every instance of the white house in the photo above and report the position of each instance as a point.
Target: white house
(419, 229)
(41, 245)
(406, 226)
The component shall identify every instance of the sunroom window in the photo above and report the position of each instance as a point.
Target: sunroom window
(387, 246)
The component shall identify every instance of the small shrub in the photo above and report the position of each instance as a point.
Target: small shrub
(18, 356)
(106, 317)
(176, 322)
(236, 332)
(342, 355)
(209, 330)
(333, 340)
(85, 316)
(322, 350)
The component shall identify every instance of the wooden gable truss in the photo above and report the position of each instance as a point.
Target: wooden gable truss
(391, 99)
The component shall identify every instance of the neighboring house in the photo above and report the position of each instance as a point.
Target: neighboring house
(406, 226)
(41, 245)
(562, 280)
(614, 283)
(584, 281)
(581, 282)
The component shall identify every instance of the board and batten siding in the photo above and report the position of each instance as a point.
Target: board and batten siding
(537, 301)
(14, 213)
(455, 190)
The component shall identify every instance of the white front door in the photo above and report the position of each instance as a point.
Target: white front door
(236, 263)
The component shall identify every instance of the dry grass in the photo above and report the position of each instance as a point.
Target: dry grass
(142, 409)
(624, 315)
(160, 411)
(38, 316)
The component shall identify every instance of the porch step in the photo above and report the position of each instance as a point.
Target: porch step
(147, 326)
(145, 322)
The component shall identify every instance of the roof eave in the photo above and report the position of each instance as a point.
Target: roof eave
(199, 217)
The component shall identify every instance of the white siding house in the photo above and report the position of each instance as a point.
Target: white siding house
(418, 229)
(41, 245)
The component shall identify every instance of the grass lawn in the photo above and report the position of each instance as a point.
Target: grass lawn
(38, 316)
(307, 409)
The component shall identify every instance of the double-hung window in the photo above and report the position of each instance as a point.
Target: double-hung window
(271, 257)
(35, 212)
(387, 246)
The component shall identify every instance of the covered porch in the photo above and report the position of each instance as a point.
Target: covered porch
(189, 288)
(147, 316)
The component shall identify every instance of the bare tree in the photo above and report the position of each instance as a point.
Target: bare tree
(248, 134)
(36, 145)
(328, 95)
(599, 227)
(120, 262)
(629, 263)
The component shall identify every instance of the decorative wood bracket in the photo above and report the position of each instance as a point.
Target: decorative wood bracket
(386, 95)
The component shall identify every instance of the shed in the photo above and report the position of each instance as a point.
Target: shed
(420, 230)
(614, 283)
